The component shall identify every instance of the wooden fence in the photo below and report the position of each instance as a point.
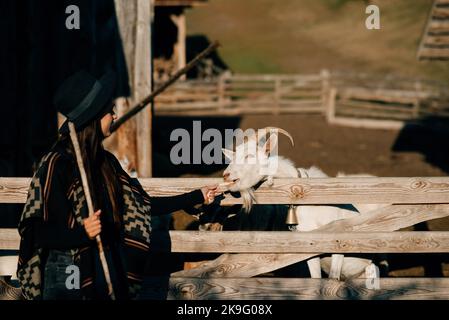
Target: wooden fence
(247, 255)
(358, 100)
(242, 94)
(383, 102)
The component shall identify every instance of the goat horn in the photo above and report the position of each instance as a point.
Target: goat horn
(281, 131)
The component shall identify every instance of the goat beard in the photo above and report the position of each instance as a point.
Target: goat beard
(248, 199)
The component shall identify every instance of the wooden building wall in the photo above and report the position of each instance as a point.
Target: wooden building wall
(36, 54)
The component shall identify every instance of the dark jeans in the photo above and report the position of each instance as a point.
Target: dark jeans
(116, 273)
(55, 277)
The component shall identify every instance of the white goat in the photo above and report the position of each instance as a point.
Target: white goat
(250, 164)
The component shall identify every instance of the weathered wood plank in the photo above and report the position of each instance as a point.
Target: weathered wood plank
(14, 190)
(386, 95)
(336, 266)
(289, 242)
(286, 191)
(357, 113)
(243, 265)
(126, 135)
(439, 3)
(389, 218)
(299, 289)
(438, 26)
(286, 242)
(185, 106)
(296, 94)
(442, 13)
(9, 239)
(203, 112)
(367, 123)
(8, 292)
(430, 29)
(329, 190)
(237, 107)
(179, 3)
(237, 86)
(309, 242)
(271, 77)
(8, 265)
(142, 85)
(437, 40)
(283, 288)
(386, 108)
(180, 97)
(314, 266)
(434, 53)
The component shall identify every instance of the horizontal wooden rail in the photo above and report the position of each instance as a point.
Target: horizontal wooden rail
(297, 289)
(9, 239)
(309, 242)
(285, 242)
(160, 288)
(286, 191)
(273, 77)
(14, 190)
(367, 123)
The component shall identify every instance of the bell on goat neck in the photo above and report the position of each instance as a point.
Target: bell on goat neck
(292, 220)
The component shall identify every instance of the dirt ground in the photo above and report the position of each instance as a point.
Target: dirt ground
(350, 150)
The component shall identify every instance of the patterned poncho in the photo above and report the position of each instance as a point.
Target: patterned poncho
(135, 233)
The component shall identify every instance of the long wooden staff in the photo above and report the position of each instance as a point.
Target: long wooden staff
(90, 206)
(164, 86)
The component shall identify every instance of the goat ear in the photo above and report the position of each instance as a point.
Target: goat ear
(270, 144)
(228, 153)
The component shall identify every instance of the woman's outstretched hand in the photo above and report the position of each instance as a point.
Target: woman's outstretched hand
(92, 225)
(209, 193)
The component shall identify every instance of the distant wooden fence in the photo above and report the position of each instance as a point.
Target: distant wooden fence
(358, 100)
(243, 94)
(383, 102)
(246, 255)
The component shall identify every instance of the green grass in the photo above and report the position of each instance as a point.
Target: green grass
(303, 36)
(252, 63)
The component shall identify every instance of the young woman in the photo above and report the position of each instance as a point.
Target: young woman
(58, 237)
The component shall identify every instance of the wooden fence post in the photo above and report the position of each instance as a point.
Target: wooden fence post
(277, 95)
(143, 85)
(180, 45)
(416, 104)
(221, 92)
(126, 135)
(325, 82)
(330, 108)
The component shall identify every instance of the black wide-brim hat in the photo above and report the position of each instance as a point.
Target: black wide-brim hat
(82, 98)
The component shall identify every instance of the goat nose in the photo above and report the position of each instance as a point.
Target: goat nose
(225, 176)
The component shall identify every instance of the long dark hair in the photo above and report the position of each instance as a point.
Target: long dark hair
(95, 161)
